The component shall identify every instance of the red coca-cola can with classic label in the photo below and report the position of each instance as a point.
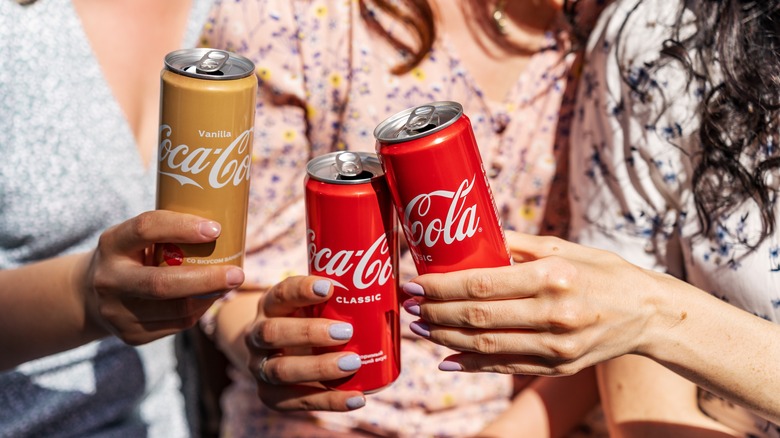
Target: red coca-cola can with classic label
(352, 240)
(440, 189)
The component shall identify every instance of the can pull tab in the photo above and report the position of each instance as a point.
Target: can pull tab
(419, 118)
(212, 61)
(348, 164)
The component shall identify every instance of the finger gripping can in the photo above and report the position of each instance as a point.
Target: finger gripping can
(440, 189)
(207, 108)
(352, 240)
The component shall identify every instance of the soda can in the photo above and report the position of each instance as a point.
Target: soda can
(440, 189)
(207, 111)
(352, 239)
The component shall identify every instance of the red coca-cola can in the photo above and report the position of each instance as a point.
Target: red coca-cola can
(440, 189)
(352, 240)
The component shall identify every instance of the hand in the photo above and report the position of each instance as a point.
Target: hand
(281, 359)
(561, 308)
(140, 303)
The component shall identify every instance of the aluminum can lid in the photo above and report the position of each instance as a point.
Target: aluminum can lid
(209, 64)
(345, 167)
(417, 122)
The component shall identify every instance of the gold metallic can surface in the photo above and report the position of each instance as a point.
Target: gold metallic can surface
(207, 109)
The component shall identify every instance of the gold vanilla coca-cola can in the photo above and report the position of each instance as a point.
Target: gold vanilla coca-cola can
(207, 108)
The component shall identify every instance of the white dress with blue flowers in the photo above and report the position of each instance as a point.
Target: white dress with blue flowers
(631, 171)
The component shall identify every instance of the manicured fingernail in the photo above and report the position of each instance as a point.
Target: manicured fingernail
(349, 363)
(341, 331)
(321, 287)
(449, 365)
(413, 289)
(421, 329)
(356, 402)
(210, 229)
(412, 306)
(234, 277)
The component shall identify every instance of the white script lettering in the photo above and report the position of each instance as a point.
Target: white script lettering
(180, 161)
(371, 266)
(460, 223)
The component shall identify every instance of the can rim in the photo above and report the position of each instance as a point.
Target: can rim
(235, 67)
(391, 124)
(324, 162)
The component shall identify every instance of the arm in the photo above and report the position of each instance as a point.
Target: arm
(548, 407)
(567, 307)
(713, 344)
(61, 303)
(628, 415)
(43, 301)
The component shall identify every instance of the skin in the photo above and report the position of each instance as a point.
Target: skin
(566, 307)
(57, 304)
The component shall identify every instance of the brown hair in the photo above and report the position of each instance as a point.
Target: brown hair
(416, 16)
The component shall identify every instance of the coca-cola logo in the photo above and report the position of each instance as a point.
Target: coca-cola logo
(461, 222)
(368, 267)
(172, 254)
(229, 165)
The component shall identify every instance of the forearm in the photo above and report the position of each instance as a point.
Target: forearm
(232, 325)
(44, 310)
(719, 347)
(641, 398)
(548, 407)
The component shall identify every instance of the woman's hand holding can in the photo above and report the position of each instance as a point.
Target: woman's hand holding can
(126, 297)
(280, 342)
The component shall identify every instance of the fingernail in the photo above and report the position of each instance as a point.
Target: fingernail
(341, 332)
(356, 402)
(413, 289)
(234, 277)
(412, 306)
(349, 363)
(449, 365)
(321, 287)
(210, 229)
(421, 329)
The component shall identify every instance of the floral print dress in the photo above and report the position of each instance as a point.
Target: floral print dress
(631, 177)
(325, 84)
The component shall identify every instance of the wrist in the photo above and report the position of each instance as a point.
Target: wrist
(233, 320)
(85, 297)
(668, 298)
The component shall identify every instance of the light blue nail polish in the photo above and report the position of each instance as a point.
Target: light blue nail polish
(341, 331)
(349, 363)
(449, 365)
(321, 287)
(421, 328)
(413, 289)
(412, 307)
(356, 402)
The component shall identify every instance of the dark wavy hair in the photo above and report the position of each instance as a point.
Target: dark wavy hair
(740, 112)
(735, 57)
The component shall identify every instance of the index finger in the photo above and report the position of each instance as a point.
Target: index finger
(159, 226)
(472, 284)
(291, 294)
